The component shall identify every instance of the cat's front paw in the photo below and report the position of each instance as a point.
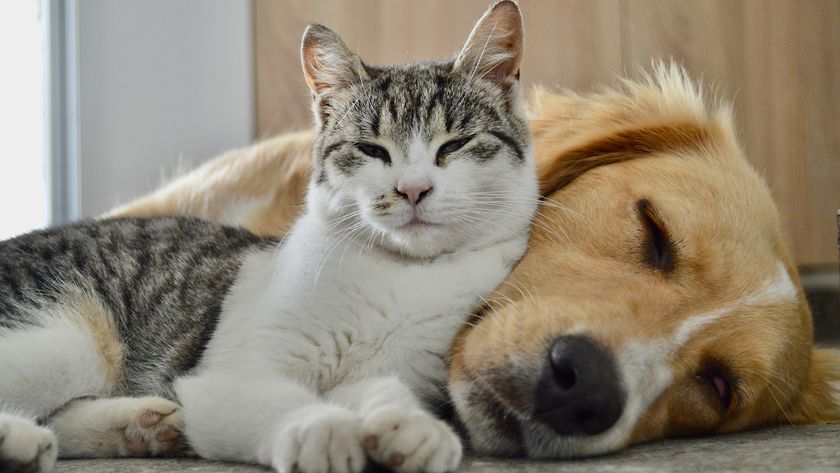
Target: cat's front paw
(410, 441)
(25, 447)
(324, 439)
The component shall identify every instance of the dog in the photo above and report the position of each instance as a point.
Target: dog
(657, 298)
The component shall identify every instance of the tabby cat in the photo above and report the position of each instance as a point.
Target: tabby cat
(316, 353)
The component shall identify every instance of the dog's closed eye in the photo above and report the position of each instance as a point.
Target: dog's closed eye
(658, 249)
(717, 380)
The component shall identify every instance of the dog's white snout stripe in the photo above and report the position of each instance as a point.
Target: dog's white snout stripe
(645, 366)
(781, 288)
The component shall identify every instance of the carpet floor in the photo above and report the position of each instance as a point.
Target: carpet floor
(783, 449)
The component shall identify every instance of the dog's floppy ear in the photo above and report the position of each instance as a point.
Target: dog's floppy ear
(559, 170)
(819, 402)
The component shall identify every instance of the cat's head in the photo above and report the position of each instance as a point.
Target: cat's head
(424, 158)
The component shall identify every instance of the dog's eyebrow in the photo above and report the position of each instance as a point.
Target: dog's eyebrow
(619, 146)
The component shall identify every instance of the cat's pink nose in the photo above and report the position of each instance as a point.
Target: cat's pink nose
(414, 192)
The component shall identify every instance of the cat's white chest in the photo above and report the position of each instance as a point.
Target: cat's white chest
(334, 315)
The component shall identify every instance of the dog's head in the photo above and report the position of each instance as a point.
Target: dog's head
(657, 298)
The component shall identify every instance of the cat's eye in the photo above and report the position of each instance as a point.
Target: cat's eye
(374, 151)
(452, 146)
(658, 249)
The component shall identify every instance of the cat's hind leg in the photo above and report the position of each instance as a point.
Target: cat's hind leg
(25, 447)
(60, 352)
(119, 427)
(49, 356)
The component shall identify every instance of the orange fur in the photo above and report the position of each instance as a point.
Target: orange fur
(598, 155)
(260, 187)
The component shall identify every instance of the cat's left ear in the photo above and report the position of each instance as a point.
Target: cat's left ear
(494, 49)
(327, 63)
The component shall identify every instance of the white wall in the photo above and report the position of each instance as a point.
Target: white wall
(160, 82)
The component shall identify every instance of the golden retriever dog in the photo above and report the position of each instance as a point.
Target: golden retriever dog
(657, 298)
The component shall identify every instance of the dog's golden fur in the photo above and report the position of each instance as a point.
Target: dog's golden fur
(732, 297)
(658, 140)
(260, 187)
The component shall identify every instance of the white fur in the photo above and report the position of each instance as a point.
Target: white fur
(46, 366)
(291, 333)
(22, 443)
(780, 288)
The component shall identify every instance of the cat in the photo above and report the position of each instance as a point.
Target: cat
(316, 353)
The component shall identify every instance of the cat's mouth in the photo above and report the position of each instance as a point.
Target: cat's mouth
(416, 225)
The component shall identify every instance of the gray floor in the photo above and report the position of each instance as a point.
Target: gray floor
(787, 449)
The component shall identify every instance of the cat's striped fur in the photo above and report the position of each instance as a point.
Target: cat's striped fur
(418, 98)
(160, 280)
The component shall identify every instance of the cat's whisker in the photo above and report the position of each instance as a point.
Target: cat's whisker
(349, 236)
(347, 111)
(346, 240)
(483, 50)
(542, 202)
(536, 222)
(336, 222)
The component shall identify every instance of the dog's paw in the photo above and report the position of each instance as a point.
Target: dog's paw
(411, 441)
(325, 439)
(25, 447)
(154, 427)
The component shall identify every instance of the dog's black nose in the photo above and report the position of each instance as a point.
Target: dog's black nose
(579, 392)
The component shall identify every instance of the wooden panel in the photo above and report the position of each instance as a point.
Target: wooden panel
(772, 116)
(779, 60)
(819, 59)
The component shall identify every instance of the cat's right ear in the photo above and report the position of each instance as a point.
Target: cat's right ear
(494, 49)
(327, 63)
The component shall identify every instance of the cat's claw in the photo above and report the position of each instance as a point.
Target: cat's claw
(324, 440)
(411, 441)
(25, 447)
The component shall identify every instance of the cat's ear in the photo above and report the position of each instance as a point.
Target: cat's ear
(494, 49)
(327, 63)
